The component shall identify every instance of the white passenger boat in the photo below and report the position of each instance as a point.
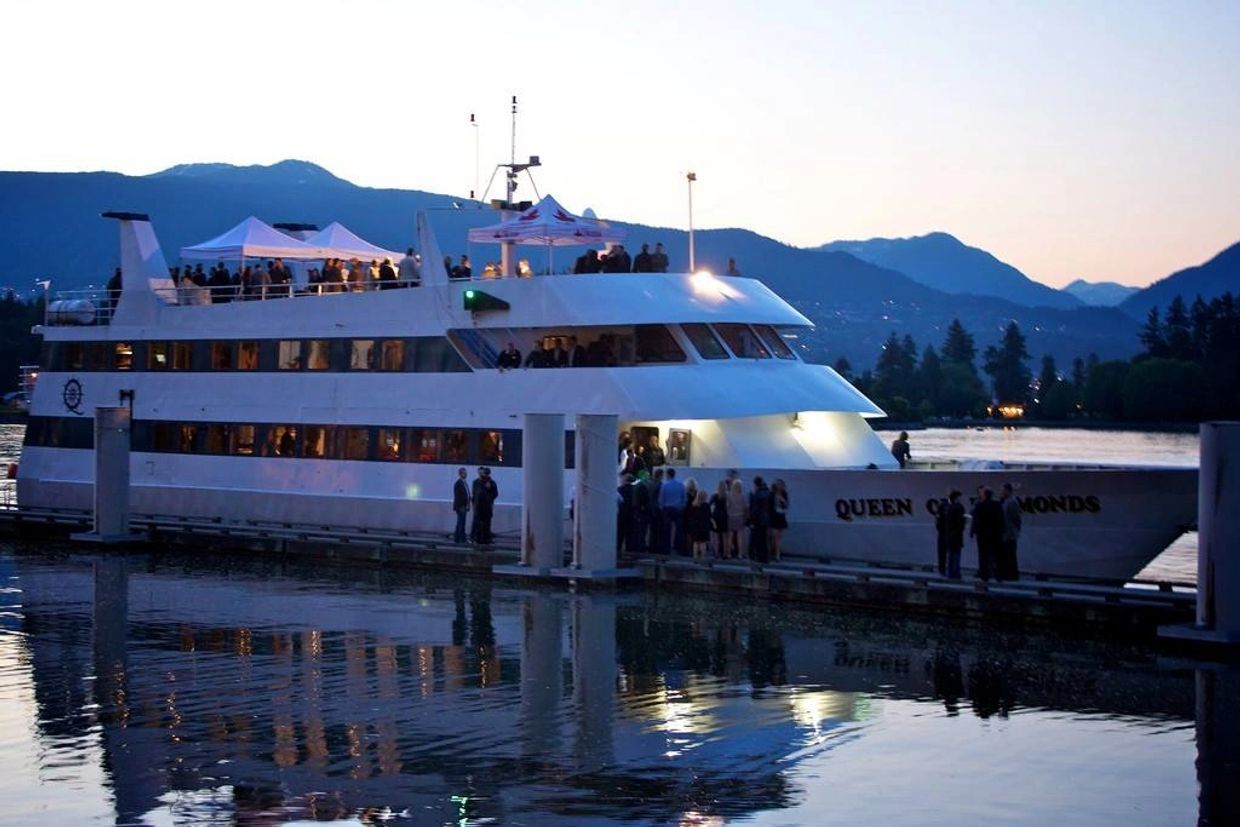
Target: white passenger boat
(356, 409)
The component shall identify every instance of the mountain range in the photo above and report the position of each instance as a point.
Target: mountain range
(1100, 293)
(856, 293)
(942, 261)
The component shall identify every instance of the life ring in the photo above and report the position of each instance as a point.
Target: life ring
(12, 472)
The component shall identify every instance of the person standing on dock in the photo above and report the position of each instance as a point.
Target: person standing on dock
(460, 504)
(899, 449)
(485, 493)
(759, 521)
(672, 507)
(950, 522)
(1007, 568)
(988, 529)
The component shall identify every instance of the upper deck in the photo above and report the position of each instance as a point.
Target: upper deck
(558, 301)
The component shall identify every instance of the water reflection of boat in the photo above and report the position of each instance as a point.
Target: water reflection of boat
(354, 409)
(249, 690)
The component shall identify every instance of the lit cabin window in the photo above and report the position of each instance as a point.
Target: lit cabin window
(247, 355)
(243, 440)
(316, 354)
(424, 445)
(455, 446)
(388, 444)
(770, 336)
(352, 443)
(74, 356)
(707, 345)
(491, 447)
(182, 356)
(217, 438)
(742, 341)
(187, 438)
(123, 359)
(281, 441)
(223, 355)
(361, 357)
(289, 354)
(157, 356)
(392, 356)
(314, 445)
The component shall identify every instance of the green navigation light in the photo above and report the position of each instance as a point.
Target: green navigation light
(477, 301)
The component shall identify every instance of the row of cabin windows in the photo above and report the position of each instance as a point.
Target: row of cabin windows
(423, 354)
(348, 442)
(457, 446)
(758, 341)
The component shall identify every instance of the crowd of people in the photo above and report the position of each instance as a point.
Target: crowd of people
(561, 352)
(659, 514)
(617, 260)
(274, 279)
(994, 524)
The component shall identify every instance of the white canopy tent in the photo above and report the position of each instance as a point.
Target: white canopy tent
(338, 241)
(253, 238)
(547, 224)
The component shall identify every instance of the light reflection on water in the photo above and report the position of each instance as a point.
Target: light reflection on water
(164, 690)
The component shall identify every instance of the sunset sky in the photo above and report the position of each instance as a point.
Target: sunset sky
(1089, 139)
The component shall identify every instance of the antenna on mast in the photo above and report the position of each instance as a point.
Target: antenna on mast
(512, 170)
(477, 174)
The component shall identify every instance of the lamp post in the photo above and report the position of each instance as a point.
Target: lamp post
(691, 177)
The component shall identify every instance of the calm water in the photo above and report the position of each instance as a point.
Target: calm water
(163, 691)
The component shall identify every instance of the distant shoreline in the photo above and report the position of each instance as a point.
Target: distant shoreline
(960, 424)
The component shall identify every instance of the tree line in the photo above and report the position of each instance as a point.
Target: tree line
(1188, 371)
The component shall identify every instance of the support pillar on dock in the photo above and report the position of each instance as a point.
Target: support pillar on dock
(1218, 540)
(111, 477)
(594, 523)
(542, 512)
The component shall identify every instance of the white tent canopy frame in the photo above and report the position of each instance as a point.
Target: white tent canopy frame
(253, 238)
(338, 241)
(549, 225)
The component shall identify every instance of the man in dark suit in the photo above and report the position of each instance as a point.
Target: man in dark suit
(460, 503)
(642, 264)
(988, 529)
(485, 493)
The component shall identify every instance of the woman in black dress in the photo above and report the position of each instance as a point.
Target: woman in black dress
(719, 518)
(779, 517)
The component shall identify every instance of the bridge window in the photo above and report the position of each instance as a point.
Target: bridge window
(707, 345)
(770, 336)
(742, 341)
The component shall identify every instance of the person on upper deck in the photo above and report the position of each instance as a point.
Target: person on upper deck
(509, 358)
(658, 259)
(463, 270)
(540, 357)
(641, 264)
(387, 275)
(577, 353)
(588, 262)
(219, 283)
(409, 270)
(733, 270)
(617, 260)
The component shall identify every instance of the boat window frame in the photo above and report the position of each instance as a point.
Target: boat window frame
(711, 334)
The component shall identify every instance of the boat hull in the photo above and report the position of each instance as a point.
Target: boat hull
(1104, 523)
